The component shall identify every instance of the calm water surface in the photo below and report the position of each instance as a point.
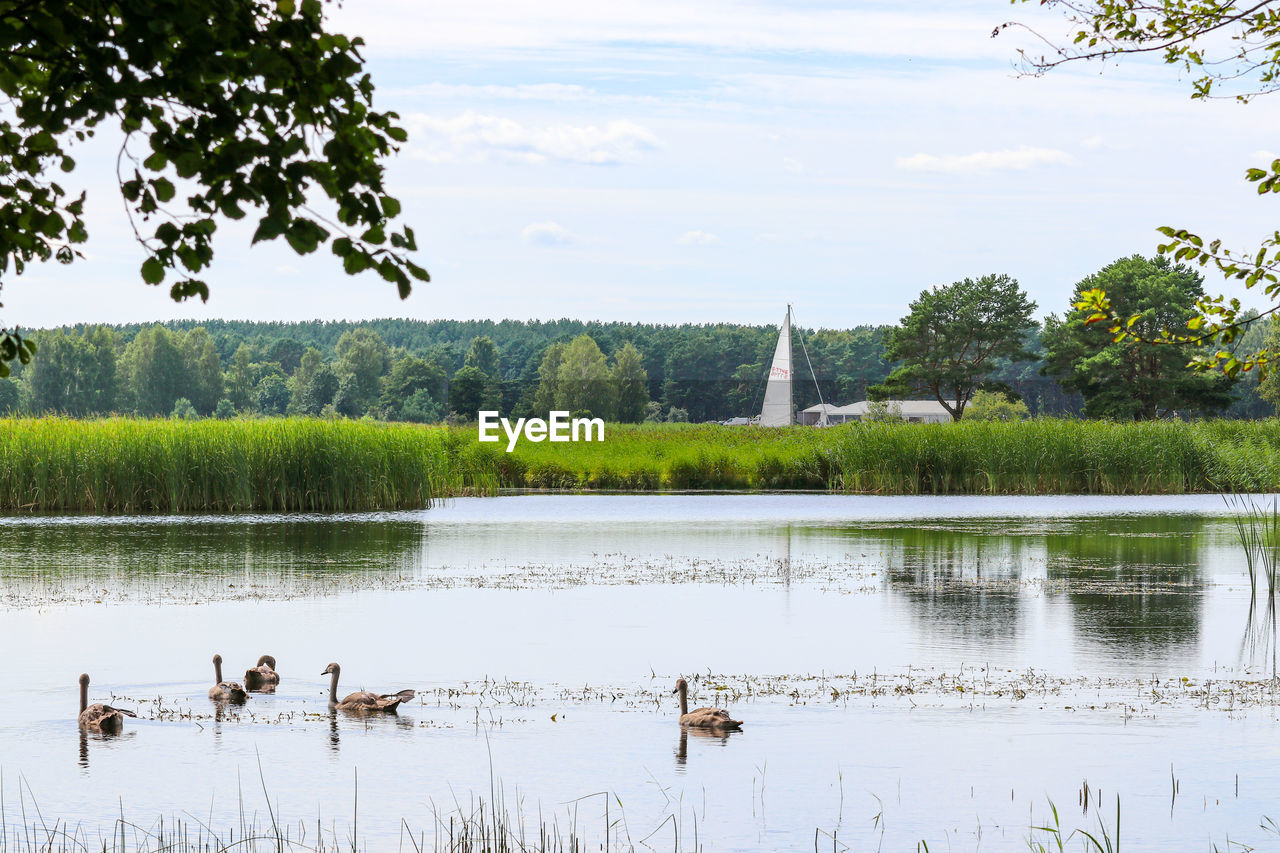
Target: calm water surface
(908, 668)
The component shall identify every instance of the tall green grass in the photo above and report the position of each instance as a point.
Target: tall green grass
(1048, 456)
(123, 465)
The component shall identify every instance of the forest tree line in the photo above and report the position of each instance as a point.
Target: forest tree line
(430, 371)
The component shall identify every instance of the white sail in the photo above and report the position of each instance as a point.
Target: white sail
(777, 391)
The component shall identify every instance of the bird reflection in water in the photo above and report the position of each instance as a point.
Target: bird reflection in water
(369, 721)
(682, 746)
(105, 739)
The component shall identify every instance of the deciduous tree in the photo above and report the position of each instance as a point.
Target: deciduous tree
(1225, 49)
(630, 384)
(228, 109)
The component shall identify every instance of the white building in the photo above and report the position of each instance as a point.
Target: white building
(912, 411)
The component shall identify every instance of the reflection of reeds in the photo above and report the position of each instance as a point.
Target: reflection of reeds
(1258, 531)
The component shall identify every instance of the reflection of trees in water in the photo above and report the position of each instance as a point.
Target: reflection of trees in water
(146, 553)
(958, 580)
(1131, 580)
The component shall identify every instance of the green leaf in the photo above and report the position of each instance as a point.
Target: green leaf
(152, 271)
(163, 188)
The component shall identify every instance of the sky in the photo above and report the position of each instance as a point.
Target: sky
(706, 161)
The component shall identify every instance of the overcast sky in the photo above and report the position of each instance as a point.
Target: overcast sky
(703, 161)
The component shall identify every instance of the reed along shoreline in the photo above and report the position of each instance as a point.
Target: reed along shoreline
(140, 466)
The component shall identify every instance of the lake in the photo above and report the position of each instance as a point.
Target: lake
(908, 669)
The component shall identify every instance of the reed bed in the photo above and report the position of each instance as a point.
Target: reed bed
(126, 465)
(1046, 456)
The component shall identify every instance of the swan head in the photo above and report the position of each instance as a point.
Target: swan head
(217, 659)
(84, 679)
(681, 686)
(268, 660)
(331, 668)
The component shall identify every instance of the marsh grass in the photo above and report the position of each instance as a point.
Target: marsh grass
(127, 465)
(1045, 456)
(479, 827)
(1257, 530)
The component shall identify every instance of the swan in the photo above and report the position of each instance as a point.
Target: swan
(98, 717)
(703, 718)
(263, 676)
(363, 700)
(225, 691)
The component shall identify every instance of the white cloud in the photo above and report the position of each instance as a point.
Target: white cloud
(500, 27)
(473, 137)
(697, 238)
(986, 161)
(1263, 156)
(548, 234)
(793, 166)
(1094, 141)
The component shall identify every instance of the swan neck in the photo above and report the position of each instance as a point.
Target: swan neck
(684, 700)
(333, 688)
(84, 697)
(217, 672)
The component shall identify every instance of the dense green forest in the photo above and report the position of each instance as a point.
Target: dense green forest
(413, 370)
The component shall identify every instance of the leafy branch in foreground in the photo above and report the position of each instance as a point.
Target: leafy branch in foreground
(1230, 49)
(225, 106)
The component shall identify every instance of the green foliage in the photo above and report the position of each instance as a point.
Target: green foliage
(363, 357)
(156, 371)
(1225, 49)
(203, 370)
(238, 383)
(410, 378)
(583, 382)
(229, 108)
(225, 409)
(76, 374)
(272, 395)
(314, 384)
(183, 410)
(995, 406)
(296, 464)
(544, 399)
(421, 407)
(630, 385)
(9, 397)
(884, 412)
(1040, 456)
(483, 356)
(1133, 377)
(125, 465)
(467, 395)
(276, 349)
(954, 337)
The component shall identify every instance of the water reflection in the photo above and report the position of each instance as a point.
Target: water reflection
(190, 559)
(105, 740)
(1134, 583)
(721, 736)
